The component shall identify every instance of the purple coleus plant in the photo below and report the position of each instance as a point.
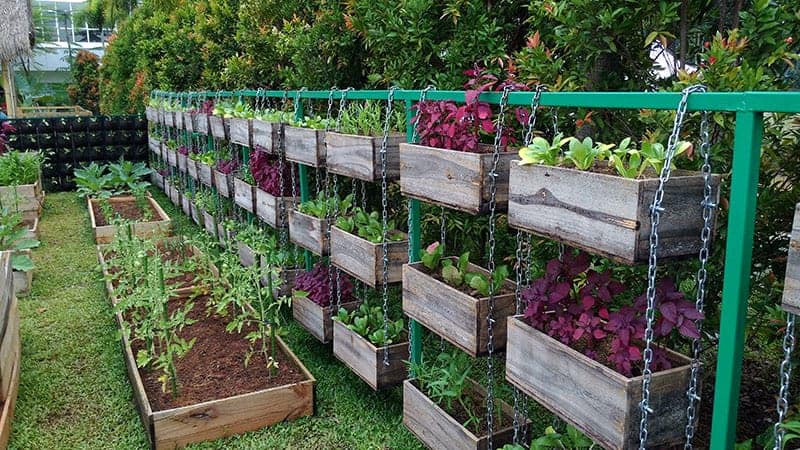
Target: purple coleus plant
(227, 166)
(266, 172)
(575, 304)
(317, 284)
(5, 130)
(183, 150)
(207, 107)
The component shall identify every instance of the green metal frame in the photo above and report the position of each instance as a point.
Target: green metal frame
(748, 107)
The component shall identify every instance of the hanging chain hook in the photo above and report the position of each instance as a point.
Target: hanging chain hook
(385, 224)
(342, 106)
(786, 375)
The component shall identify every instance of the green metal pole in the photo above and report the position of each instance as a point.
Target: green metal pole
(414, 236)
(303, 172)
(736, 282)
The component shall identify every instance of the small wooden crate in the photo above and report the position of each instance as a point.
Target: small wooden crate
(154, 145)
(266, 135)
(454, 179)
(182, 162)
(224, 183)
(244, 194)
(364, 260)
(791, 287)
(191, 168)
(186, 205)
(169, 119)
(359, 157)
(268, 207)
(458, 317)
(439, 430)
(597, 400)
(606, 214)
(209, 222)
(159, 226)
(241, 131)
(316, 319)
(219, 127)
(305, 146)
(201, 123)
(188, 122)
(172, 157)
(204, 174)
(151, 114)
(309, 232)
(366, 360)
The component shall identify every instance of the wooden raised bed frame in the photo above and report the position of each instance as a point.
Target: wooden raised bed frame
(317, 320)
(455, 179)
(309, 232)
(26, 199)
(105, 234)
(606, 214)
(10, 348)
(305, 145)
(364, 260)
(359, 157)
(597, 400)
(366, 360)
(454, 315)
(791, 287)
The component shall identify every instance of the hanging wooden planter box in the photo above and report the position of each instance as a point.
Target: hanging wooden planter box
(791, 287)
(219, 127)
(597, 400)
(241, 131)
(309, 232)
(174, 195)
(154, 145)
(160, 113)
(169, 119)
(455, 179)
(266, 135)
(201, 123)
(316, 319)
(151, 114)
(159, 225)
(172, 157)
(188, 122)
(209, 222)
(364, 260)
(268, 207)
(157, 179)
(182, 162)
(305, 145)
(366, 360)
(606, 214)
(359, 157)
(186, 205)
(178, 117)
(191, 168)
(244, 194)
(454, 315)
(438, 430)
(204, 174)
(247, 257)
(287, 279)
(224, 183)
(195, 214)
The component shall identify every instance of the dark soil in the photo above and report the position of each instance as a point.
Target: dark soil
(214, 367)
(127, 210)
(437, 275)
(479, 429)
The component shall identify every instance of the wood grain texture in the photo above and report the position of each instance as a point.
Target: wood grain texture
(172, 156)
(309, 232)
(364, 260)
(317, 319)
(220, 127)
(209, 223)
(9, 349)
(183, 160)
(608, 215)
(791, 287)
(359, 157)
(23, 198)
(188, 122)
(7, 416)
(366, 361)
(158, 226)
(241, 131)
(268, 207)
(201, 123)
(244, 194)
(204, 174)
(457, 180)
(191, 168)
(439, 430)
(266, 135)
(600, 402)
(154, 145)
(305, 146)
(224, 183)
(458, 317)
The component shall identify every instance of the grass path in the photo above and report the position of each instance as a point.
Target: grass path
(74, 392)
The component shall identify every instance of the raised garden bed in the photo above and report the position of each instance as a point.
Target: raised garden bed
(366, 360)
(26, 199)
(10, 348)
(309, 232)
(268, 207)
(359, 157)
(305, 145)
(364, 260)
(791, 286)
(127, 208)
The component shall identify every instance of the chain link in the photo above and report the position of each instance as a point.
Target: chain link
(330, 107)
(385, 224)
(655, 217)
(786, 374)
(423, 95)
(342, 106)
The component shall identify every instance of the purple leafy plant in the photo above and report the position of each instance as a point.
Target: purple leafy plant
(5, 129)
(266, 172)
(316, 283)
(227, 166)
(183, 150)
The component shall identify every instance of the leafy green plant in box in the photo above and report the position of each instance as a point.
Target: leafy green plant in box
(368, 322)
(369, 226)
(12, 238)
(458, 274)
(315, 123)
(323, 206)
(367, 119)
(18, 168)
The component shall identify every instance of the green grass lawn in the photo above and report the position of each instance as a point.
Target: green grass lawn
(74, 391)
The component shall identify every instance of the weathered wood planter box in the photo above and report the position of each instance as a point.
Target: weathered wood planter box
(157, 179)
(305, 145)
(247, 257)
(606, 214)
(309, 232)
(439, 430)
(266, 135)
(791, 287)
(316, 319)
(287, 279)
(154, 145)
(268, 207)
(597, 400)
(224, 183)
(172, 157)
(26, 199)
(209, 222)
(158, 226)
(219, 127)
(359, 156)
(364, 260)
(366, 360)
(244, 194)
(183, 160)
(188, 122)
(241, 131)
(204, 174)
(169, 119)
(454, 315)
(10, 348)
(178, 119)
(191, 168)
(457, 180)
(186, 205)
(151, 114)
(195, 214)
(201, 123)
(174, 194)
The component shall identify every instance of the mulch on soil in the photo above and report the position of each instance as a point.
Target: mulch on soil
(126, 209)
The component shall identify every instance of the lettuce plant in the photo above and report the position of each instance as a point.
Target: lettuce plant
(322, 206)
(368, 322)
(369, 226)
(458, 274)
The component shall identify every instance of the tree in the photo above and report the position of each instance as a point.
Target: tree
(85, 89)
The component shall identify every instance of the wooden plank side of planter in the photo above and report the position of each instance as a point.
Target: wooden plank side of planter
(172, 157)
(209, 223)
(191, 168)
(791, 286)
(154, 145)
(9, 349)
(201, 123)
(606, 214)
(317, 319)
(439, 430)
(204, 174)
(9, 404)
(169, 119)
(266, 135)
(359, 157)
(268, 207)
(308, 232)
(161, 226)
(182, 162)
(224, 183)
(244, 194)
(458, 317)
(188, 121)
(219, 127)
(600, 402)
(364, 260)
(305, 146)
(457, 180)
(23, 198)
(241, 131)
(247, 257)
(366, 361)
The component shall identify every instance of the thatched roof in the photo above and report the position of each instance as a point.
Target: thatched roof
(16, 28)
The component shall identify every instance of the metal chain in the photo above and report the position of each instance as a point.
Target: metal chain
(786, 374)
(284, 229)
(330, 107)
(422, 96)
(531, 124)
(342, 105)
(385, 224)
(363, 195)
(330, 216)
(655, 217)
(442, 239)
(702, 276)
